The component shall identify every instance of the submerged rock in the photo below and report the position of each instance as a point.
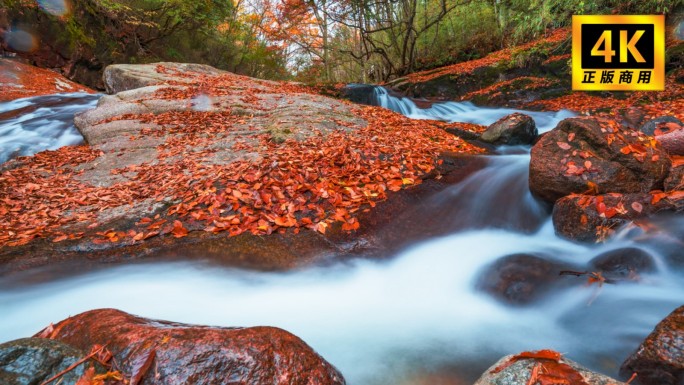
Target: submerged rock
(32, 361)
(515, 370)
(623, 264)
(583, 154)
(659, 360)
(514, 129)
(189, 354)
(520, 278)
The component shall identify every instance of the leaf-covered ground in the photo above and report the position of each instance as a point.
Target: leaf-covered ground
(497, 57)
(18, 80)
(279, 180)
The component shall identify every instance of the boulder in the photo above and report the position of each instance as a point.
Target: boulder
(659, 360)
(161, 352)
(32, 361)
(587, 154)
(124, 77)
(673, 142)
(520, 278)
(626, 263)
(514, 129)
(518, 370)
(592, 218)
(661, 125)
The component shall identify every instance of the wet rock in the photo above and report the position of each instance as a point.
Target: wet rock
(514, 129)
(32, 361)
(659, 360)
(520, 371)
(661, 125)
(188, 354)
(520, 278)
(673, 142)
(623, 264)
(591, 218)
(360, 93)
(583, 154)
(675, 179)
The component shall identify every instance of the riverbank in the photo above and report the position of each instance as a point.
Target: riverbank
(20, 80)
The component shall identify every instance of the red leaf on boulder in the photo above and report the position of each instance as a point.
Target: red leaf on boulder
(178, 230)
(564, 146)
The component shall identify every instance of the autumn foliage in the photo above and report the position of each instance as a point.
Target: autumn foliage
(311, 183)
(18, 80)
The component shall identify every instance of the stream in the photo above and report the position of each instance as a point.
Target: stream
(416, 318)
(31, 125)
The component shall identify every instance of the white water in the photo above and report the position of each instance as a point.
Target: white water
(31, 125)
(386, 322)
(464, 111)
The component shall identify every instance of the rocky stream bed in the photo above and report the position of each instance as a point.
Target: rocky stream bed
(331, 243)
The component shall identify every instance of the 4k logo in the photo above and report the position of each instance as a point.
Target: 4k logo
(618, 53)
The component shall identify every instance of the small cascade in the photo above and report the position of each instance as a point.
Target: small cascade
(465, 112)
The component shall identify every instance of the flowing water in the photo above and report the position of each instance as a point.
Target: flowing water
(31, 125)
(412, 319)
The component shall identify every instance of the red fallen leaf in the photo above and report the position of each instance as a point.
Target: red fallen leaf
(47, 332)
(587, 165)
(321, 227)
(351, 225)
(395, 184)
(564, 146)
(534, 375)
(151, 234)
(178, 230)
(600, 208)
(541, 354)
(61, 238)
(657, 197)
(611, 212)
(549, 370)
(638, 207)
(675, 195)
(571, 136)
(626, 150)
(596, 277)
(677, 161)
(285, 221)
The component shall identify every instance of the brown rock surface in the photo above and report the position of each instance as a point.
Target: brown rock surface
(659, 360)
(591, 218)
(161, 352)
(583, 154)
